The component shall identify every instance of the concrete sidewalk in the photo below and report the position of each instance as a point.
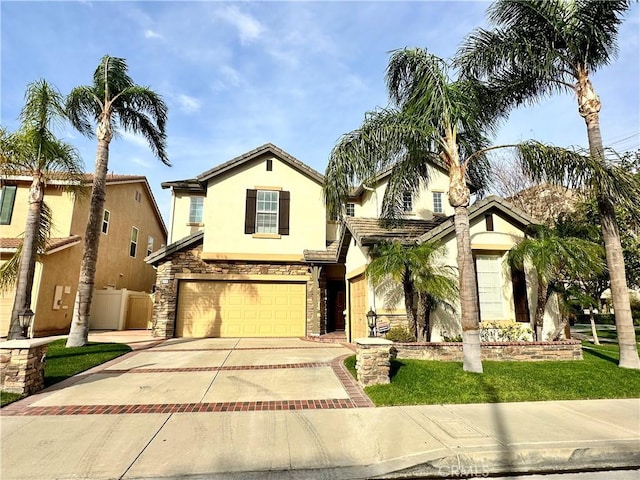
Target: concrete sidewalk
(286, 408)
(394, 442)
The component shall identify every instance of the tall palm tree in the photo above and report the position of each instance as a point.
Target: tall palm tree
(600, 179)
(416, 268)
(34, 150)
(113, 99)
(541, 47)
(433, 118)
(554, 258)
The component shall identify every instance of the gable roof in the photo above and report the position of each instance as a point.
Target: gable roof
(198, 183)
(368, 231)
(492, 202)
(186, 242)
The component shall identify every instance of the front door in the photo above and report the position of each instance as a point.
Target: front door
(336, 303)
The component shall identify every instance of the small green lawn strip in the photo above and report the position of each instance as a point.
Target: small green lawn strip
(62, 362)
(419, 382)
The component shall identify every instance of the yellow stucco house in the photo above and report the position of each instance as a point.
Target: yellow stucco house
(253, 253)
(132, 228)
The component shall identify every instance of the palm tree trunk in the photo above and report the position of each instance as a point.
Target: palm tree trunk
(541, 305)
(589, 107)
(79, 332)
(424, 313)
(594, 332)
(27, 267)
(409, 304)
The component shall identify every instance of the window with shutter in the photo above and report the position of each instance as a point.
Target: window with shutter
(250, 212)
(6, 204)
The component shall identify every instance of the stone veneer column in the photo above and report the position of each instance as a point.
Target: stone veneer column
(22, 365)
(373, 360)
(166, 299)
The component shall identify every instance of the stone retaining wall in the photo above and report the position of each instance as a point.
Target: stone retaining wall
(22, 365)
(505, 351)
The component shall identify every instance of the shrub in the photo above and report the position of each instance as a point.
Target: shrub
(504, 332)
(452, 338)
(400, 334)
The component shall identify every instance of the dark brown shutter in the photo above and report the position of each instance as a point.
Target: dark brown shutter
(488, 220)
(250, 212)
(283, 221)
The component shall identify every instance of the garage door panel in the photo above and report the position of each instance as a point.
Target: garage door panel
(358, 307)
(241, 309)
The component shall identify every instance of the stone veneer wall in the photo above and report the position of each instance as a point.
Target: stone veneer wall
(22, 366)
(373, 361)
(506, 351)
(189, 261)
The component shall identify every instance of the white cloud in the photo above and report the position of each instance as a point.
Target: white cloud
(134, 139)
(141, 162)
(151, 34)
(248, 27)
(188, 104)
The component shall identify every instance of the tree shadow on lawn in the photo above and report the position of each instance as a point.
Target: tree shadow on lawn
(600, 354)
(396, 365)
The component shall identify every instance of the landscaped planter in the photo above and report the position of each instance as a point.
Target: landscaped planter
(500, 351)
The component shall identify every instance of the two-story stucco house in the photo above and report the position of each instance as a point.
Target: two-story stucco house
(132, 228)
(253, 253)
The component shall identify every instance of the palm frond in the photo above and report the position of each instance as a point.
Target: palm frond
(83, 108)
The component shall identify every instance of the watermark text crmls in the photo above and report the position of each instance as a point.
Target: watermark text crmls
(463, 471)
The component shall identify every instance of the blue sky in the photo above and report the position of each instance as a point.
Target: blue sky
(236, 75)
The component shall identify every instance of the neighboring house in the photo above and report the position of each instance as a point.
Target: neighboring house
(132, 228)
(253, 253)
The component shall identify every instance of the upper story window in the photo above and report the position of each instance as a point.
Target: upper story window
(106, 216)
(149, 245)
(350, 209)
(7, 200)
(267, 211)
(407, 202)
(133, 245)
(437, 202)
(195, 209)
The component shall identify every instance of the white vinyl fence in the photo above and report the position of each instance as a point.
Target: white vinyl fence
(120, 310)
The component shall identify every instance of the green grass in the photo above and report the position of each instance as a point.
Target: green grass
(62, 363)
(418, 382)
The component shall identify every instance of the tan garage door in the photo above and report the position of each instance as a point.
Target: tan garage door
(358, 307)
(241, 309)
(6, 305)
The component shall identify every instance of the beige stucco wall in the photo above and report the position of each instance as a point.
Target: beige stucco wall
(115, 266)
(224, 211)
(60, 203)
(371, 201)
(179, 226)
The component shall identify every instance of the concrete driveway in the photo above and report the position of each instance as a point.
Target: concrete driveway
(195, 375)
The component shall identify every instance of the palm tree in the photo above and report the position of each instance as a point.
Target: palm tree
(415, 268)
(35, 151)
(112, 99)
(600, 179)
(432, 119)
(554, 258)
(541, 47)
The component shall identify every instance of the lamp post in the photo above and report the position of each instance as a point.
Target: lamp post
(371, 322)
(24, 318)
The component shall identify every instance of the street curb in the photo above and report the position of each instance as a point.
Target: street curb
(612, 456)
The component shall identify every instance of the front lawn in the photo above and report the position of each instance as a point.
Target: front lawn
(62, 363)
(419, 382)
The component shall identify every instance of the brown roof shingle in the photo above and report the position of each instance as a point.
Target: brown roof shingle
(368, 231)
(12, 243)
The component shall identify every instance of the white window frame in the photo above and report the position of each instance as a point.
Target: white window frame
(438, 205)
(264, 213)
(195, 216)
(490, 286)
(133, 244)
(407, 202)
(350, 209)
(149, 245)
(106, 219)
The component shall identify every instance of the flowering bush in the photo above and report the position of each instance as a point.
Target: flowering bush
(505, 332)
